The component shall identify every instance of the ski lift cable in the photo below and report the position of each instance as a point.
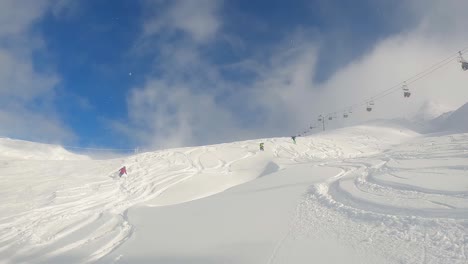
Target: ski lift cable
(417, 76)
(376, 97)
(417, 79)
(445, 61)
(409, 80)
(426, 72)
(103, 149)
(413, 78)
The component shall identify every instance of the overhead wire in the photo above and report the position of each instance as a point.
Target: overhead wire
(413, 78)
(381, 94)
(100, 149)
(426, 72)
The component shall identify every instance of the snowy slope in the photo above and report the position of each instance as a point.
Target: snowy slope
(406, 204)
(11, 149)
(366, 194)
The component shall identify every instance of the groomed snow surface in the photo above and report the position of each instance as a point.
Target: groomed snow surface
(365, 194)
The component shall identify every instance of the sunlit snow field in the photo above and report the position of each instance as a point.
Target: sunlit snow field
(364, 194)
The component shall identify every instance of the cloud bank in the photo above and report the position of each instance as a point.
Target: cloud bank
(188, 100)
(208, 83)
(26, 94)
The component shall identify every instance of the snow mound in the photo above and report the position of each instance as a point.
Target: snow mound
(12, 149)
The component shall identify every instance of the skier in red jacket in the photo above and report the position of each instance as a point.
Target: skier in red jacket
(123, 171)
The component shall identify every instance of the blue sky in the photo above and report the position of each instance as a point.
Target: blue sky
(154, 74)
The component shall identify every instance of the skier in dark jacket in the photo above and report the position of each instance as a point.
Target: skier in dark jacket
(261, 146)
(294, 139)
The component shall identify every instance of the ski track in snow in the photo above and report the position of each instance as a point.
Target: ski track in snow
(371, 208)
(371, 205)
(93, 215)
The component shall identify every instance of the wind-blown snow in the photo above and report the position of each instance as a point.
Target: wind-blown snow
(365, 194)
(12, 149)
(430, 110)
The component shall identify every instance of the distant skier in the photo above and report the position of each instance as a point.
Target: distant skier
(294, 139)
(123, 171)
(262, 146)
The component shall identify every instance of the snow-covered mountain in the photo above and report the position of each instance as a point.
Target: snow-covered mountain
(12, 149)
(377, 193)
(452, 121)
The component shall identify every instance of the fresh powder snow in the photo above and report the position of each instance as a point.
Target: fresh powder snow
(375, 193)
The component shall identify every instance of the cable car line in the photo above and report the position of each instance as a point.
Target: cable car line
(369, 102)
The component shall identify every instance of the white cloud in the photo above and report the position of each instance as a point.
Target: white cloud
(26, 95)
(173, 115)
(20, 82)
(181, 105)
(391, 62)
(65, 8)
(295, 100)
(437, 33)
(199, 19)
(17, 15)
(21, 123)
(441, 21)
